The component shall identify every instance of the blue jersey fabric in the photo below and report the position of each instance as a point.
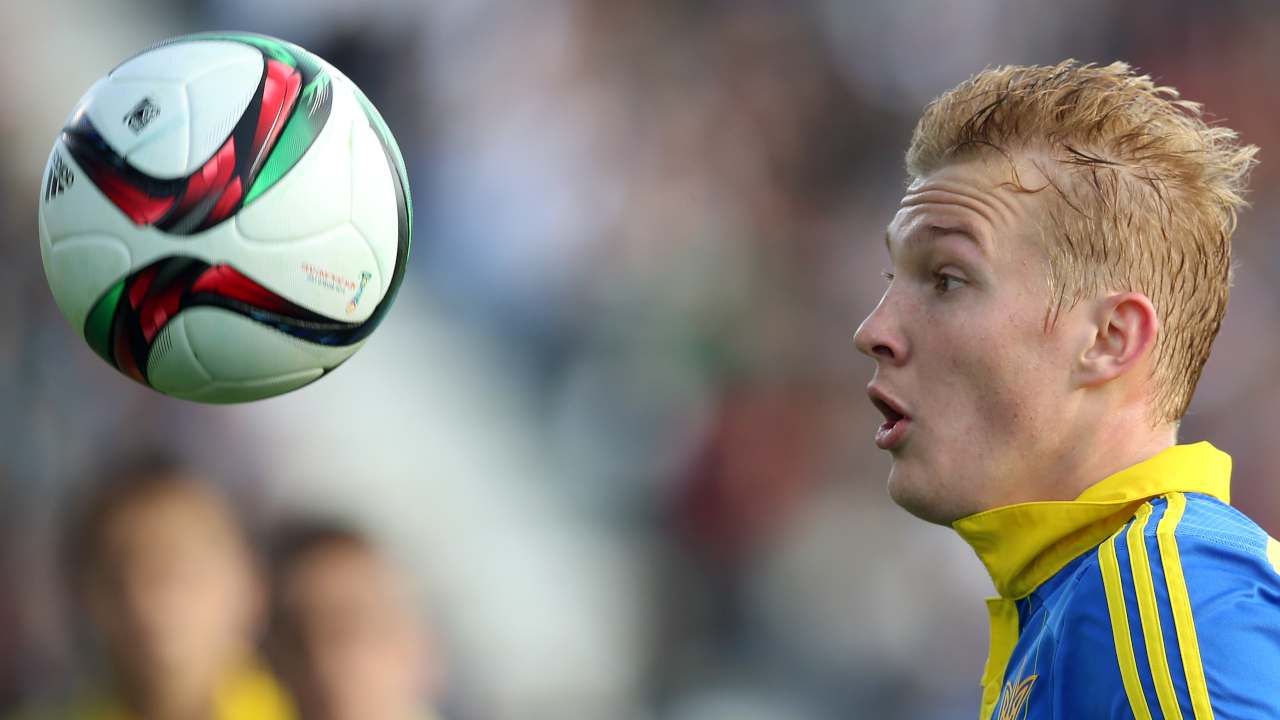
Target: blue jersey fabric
(1072, 632)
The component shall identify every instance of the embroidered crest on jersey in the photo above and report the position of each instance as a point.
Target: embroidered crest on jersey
(1014, 700)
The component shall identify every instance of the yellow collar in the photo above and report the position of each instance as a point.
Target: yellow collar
(1026, 544)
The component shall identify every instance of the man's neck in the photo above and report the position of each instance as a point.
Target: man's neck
(1111, 447)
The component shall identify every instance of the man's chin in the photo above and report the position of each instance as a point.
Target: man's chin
(918, 496)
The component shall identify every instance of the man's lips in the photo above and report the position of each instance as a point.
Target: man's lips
(891, 433)
(896, 420)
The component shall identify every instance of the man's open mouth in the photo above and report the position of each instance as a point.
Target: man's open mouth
(896, 422)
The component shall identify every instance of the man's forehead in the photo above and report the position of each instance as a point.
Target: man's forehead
(982, 198)
(1011, 177)
(922, 223)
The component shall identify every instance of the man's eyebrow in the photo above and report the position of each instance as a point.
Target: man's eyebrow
(962, 230)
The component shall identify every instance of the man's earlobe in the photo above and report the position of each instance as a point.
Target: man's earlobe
(1125, 327)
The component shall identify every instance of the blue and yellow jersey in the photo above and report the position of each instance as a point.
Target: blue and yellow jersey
(1148, 596)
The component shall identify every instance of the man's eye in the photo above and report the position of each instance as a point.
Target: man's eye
(944, 283)
(888, 276)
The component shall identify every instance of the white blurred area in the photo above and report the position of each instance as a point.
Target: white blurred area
(614, 427)
(541, 600)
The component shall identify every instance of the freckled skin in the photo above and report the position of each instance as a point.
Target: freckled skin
(994, 414)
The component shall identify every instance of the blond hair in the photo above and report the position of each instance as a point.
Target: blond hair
(1145, 194)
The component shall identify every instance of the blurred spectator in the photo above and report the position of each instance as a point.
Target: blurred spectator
(346, 634)
(165, 574)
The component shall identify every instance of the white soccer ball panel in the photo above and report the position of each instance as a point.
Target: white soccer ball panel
(214, 355)
(187, 59)
(172, 367)
(82, 268)
(315, 195)
(232, 347)
(184, 93)
(249, 390)
(333, 274)
(301, 234)
(218, 99)
(373, 205)
(110, 103)
(175, 369)
(83, 241)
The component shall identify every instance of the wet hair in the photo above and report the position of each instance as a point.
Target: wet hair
(1143, 194)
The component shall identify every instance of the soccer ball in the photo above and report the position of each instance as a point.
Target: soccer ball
(225, 217)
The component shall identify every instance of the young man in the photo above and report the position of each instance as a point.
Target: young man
(163, 568)
(1060, 267)
(345, 632)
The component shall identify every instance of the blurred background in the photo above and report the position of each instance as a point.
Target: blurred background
(614, 429)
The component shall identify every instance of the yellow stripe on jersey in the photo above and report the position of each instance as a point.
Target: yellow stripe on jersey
(1004, 636)
(1150, 614)
(1120, 627)
(1181, 601)
(1273, 552)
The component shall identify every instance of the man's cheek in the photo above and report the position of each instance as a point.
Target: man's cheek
(999, 395)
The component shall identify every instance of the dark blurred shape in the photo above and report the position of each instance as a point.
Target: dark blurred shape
(9, 649)
(162, 567)
(346, 634)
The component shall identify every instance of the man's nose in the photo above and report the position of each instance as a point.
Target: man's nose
(875, 339)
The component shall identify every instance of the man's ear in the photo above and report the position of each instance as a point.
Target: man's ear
(1124, 331)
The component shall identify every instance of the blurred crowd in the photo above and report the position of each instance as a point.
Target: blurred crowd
(162, 569)
(609, 456)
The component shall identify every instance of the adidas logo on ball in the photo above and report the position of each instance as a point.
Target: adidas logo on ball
(141, 115)
(60, 178)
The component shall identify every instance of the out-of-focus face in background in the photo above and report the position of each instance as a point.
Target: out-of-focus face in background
(961, 347)
(171, 590)
(348, 639)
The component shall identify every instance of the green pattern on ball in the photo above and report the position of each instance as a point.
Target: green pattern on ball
(298, 134)
(97, 326)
